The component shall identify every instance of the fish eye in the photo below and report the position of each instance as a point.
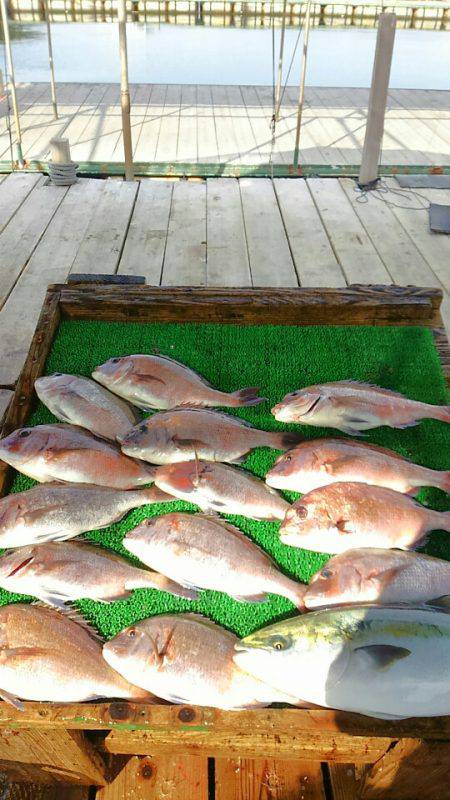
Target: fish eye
(23, 434)
(326, 573)
(57, 374)
(288, 458)
(132, 633)
(301, 512)
(279, 643)
(114, 360)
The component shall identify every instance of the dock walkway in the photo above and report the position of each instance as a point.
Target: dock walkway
(230, 125)
(215, 232)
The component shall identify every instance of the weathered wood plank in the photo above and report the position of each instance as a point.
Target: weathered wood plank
(351, 244)
(346, 780)
(227, 256)
(185, 258)
(145, 243)
(5, 399)
(265, 779)
(411, 769)
(32, 791)
(168, 777)
(13, 191)
(19, 239)
(63, 756)
(50, 262)
(100, 250)
(315, 261)
(270, 258)
(166, 149)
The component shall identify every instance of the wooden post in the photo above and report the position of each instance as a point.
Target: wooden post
(11, 82)
(301, 92)
(50, 59)
(368, 173)
(125, 91)
(280, 64)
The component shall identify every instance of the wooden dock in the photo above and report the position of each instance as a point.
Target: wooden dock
(215, 232)
(229, 125)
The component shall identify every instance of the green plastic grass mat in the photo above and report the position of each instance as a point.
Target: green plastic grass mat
(278, 359)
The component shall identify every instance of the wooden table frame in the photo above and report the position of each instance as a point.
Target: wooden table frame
(365, 757)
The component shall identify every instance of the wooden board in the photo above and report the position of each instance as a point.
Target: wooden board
(265, 779)
(185, 258)
(167, 777)
(32, 791)
(145, 244)
(14, 191)
(228, 263)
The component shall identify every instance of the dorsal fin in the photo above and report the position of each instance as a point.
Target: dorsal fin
(75, 616)
(234, 531)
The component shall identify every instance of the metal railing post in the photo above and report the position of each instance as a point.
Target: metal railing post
(50, 60)
(280, 64)
(11, 81)
(301, 92)
(125, 91)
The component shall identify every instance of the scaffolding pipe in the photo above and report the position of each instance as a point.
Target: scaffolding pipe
(125, 91)
(280, 65)
(50, 60)
(11, 82)
(301, 92)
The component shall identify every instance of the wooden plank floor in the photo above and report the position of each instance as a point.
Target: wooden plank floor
(218, 232)
(229, 124)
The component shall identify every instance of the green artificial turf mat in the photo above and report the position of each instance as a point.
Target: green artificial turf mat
(278, 359)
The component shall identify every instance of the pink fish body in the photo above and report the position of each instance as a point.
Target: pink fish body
(353, 407)
(320, 462)
(343, 516)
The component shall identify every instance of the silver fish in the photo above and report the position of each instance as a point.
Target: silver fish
(186, 433)
(209, 553)
(58, 572)
(56, 512)
(81, 401)
(160, 382)
(353, 407)
(219, 487)
(185, 658)
(46, 655)
(383, 661)
(372, 575)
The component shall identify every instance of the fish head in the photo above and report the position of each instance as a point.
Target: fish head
(297, 405)
(147, 644)
(339, 581)
(279, 476)
(142, 438)
(23, 444)
(113, 371)
(49, 385)
(138, 539)
(16, 565)
(306, 518)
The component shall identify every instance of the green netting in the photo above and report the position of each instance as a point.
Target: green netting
(278, 359)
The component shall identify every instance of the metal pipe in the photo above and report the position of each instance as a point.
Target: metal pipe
(280, 64)
(50, 59)
(11, 82)
(125, 91)
(301, 93)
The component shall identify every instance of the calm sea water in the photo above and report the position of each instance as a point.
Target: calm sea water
(181, 54)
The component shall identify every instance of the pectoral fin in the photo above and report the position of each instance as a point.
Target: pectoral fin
(344, 526)
(12, 700)
(442, 603)
(250, 598)
(336, 466)
(9, 653)
(383, 656)
(188, 444)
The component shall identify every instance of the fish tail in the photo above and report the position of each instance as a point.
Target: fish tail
(441, 413)
(443, 520)
(284, 440)
(442, 480)
(245, 397)
(157, 581)
(292, 590)
(154, 495)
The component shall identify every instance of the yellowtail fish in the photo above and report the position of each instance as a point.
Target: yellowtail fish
(372, 575)
(64, 453)
(53, 512)
(209, 553)
(320, 462)
(46, 655)
(59, 572)
(186, 658)
(343, 516)
(160, 382)
(384, 661)
(81, 401)
(186, 433)
(219, 487)
(353, 407)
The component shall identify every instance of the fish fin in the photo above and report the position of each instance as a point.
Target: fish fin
(344, 526)
(387, 576)
(334, 467)
(12, 700)
(135, 377)
(442, 603)
(76, 617)
(7, 653)
(350, 431)
(405, 424)
(187, 444)
(55, 600)
(246, 397)
(383, 656)
(155, 495)
(177, 588)
(250, 598)
(240, 459)
(413, 491)
(252, 546)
